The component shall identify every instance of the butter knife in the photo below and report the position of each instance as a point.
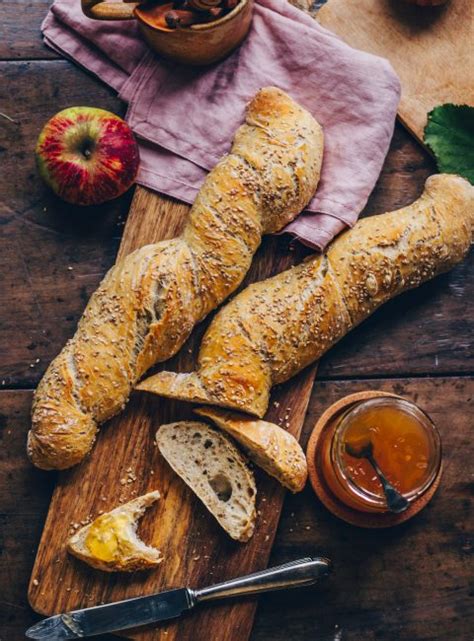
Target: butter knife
(132, 613)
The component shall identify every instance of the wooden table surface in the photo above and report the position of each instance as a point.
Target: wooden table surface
(411, 583)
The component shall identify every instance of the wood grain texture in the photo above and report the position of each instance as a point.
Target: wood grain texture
(196, 551)
(24, 498)
(430, 48)
(52, 255)
(20, 35)
(39, 307)
(407, 584)
(402, 585)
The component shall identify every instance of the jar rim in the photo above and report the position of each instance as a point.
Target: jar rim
(408, 407)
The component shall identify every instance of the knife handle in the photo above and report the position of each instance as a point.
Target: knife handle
(290, 575)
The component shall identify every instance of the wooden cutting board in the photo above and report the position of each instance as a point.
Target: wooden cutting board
(431, 48)
(196, 551)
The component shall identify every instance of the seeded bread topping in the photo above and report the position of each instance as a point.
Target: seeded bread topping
(149, 302)
(275, 328)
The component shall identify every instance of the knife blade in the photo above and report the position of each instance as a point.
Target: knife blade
(111, 617)
(139, 611)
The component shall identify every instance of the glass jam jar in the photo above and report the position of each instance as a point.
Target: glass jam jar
(405, 444)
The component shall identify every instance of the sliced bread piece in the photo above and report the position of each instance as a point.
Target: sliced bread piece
(111, 543)
(269, 446)
(209, 462)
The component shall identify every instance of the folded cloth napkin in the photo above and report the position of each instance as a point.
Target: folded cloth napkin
(185, 118)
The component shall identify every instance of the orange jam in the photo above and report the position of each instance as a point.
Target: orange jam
(405, 444)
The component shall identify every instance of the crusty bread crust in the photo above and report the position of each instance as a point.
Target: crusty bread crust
(269, 446)
(275, 328)
(211, 465)
(148, 303)
(132, 554)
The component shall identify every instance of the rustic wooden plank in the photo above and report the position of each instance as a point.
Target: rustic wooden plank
(194, 547)
(52, 255)
(406, 584)
(422, 611)
(24, 498)
(422, 332)
(20, 35)
(409, 583)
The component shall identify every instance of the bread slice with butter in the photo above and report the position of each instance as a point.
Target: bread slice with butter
(111, 543)
(211, 465)
(266, 444)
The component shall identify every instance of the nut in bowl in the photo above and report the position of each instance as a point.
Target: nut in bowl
(193, 32)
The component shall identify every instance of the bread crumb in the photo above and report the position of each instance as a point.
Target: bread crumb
(36, 582)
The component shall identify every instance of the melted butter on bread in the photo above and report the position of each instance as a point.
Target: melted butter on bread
(109, 536)
(111, 543)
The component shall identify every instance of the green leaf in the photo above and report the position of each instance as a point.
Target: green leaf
(449, 133)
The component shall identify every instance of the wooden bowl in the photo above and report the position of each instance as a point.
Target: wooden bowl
(199, 44)
(325, 495)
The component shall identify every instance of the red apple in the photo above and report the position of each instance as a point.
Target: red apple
(87, 155)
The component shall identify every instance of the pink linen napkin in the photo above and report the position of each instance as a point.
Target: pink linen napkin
(185, 117)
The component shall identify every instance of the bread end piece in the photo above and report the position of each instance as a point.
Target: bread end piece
(211, 465)
(189, 387)
(456, 190)
(110, 543)
(269, 446)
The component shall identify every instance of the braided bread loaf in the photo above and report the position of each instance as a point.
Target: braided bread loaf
(148, 303)
(275, 328)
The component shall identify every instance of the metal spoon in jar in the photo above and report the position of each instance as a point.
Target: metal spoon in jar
(395, 501)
